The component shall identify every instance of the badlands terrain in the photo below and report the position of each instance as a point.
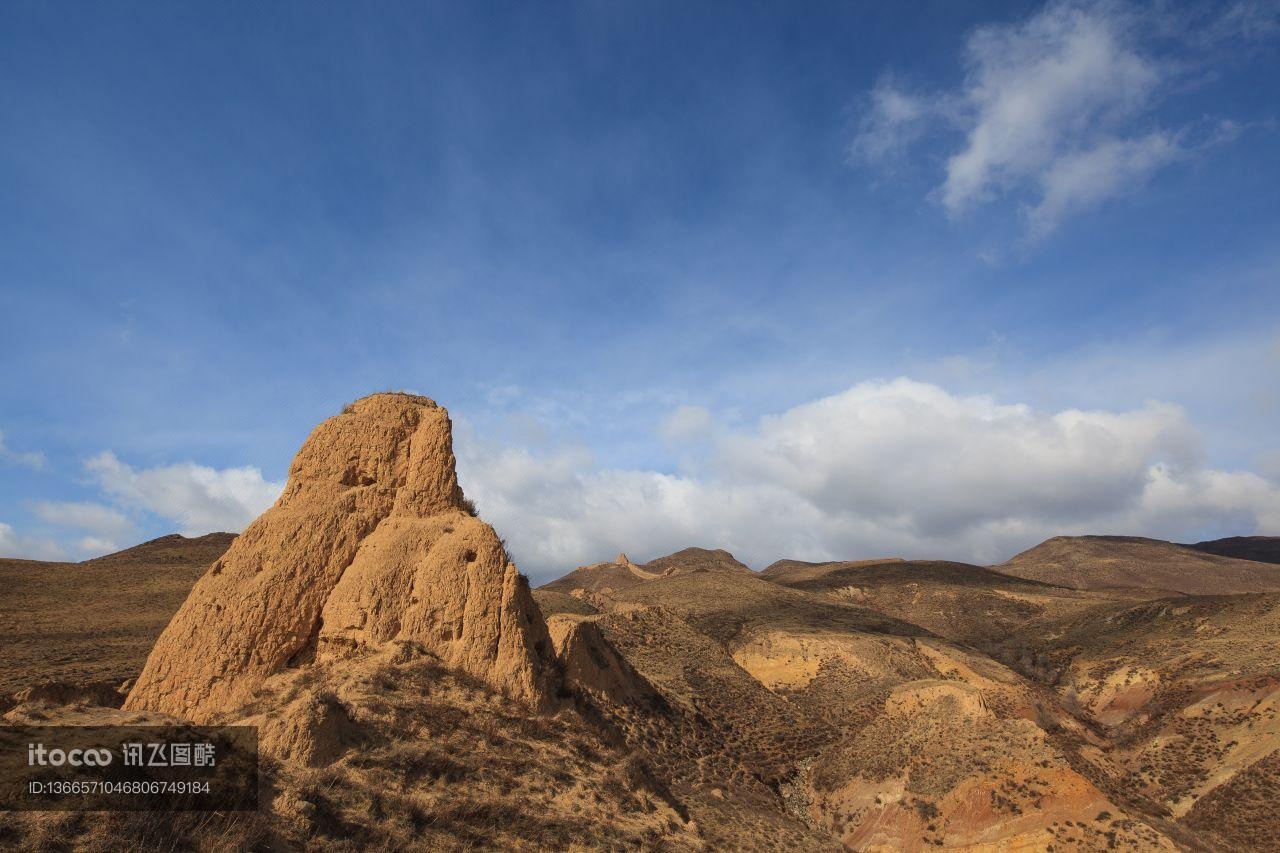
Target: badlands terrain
(412, 692)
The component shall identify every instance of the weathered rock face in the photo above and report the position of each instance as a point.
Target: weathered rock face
(592, 665)
(371, 542)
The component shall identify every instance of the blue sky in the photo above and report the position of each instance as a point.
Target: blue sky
(660, 261)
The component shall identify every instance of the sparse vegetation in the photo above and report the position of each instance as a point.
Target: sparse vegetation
(817, 701)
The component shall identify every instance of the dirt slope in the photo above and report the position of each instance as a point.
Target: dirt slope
(84, 628)
(1184, 694)
(1107, 562)
(864, 726)
(968, 604)
(1260, 549)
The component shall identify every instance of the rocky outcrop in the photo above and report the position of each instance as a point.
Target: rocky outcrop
(371, 542)
(593, 666)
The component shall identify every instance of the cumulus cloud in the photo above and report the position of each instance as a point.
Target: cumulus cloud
(1049, 111)
(106, 529)
(883, 468)
(687, 423)
(198, 498)
(28, 547)
(32, 459)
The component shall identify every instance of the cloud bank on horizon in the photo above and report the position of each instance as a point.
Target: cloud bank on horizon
(885, 468)
(188, 498)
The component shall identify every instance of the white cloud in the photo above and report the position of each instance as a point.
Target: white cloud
(30, 459)
(96, 545)
(1050, 110)
(91, 517)
(893, 120)
(198, 498)
(883, 468)
(1042, 90)
(686, 424)
(28, 547)
(1083, 179)
(1244, 22)
(1269, 465)
(1229, 499)
(108, 529)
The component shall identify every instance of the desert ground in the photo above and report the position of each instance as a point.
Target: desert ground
(412, 691)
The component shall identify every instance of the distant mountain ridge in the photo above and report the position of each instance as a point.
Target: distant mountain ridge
(622, 573)
(1133, 562)
(1261, 549)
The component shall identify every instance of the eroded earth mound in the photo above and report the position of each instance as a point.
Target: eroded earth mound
(371, 542)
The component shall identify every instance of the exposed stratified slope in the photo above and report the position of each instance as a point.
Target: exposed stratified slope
(1108, 562)
(868, 726)
(1260, 549)
(1186, 692)
(84, 628)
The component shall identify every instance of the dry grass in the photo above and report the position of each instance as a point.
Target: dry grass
(91, 625)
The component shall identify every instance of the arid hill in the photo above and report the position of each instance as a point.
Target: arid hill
(1130, 562)
(697, 560)
(1261, 549)
(171, 550)
(962, 602)
(411, 692)
(868, 728)
(1184, 696)
(402, 678)
(787, 571)
(80, 630)
(621, 573)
